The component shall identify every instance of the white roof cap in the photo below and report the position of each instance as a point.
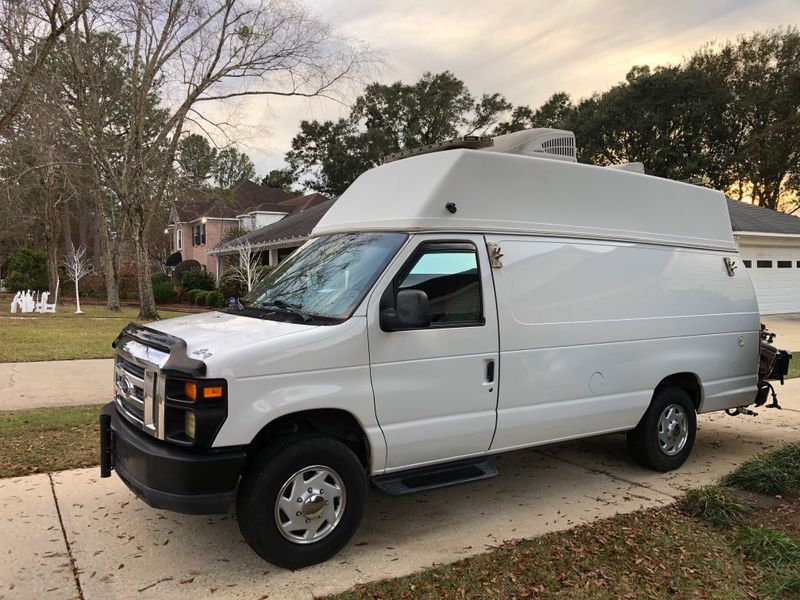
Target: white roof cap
(508, 193)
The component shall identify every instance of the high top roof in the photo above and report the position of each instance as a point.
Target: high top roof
(504, 193)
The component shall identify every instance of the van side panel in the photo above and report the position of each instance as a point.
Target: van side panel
(589, 328)
(319, 368)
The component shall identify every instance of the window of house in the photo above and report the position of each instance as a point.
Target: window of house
(199, 234)
(748, 263)
(284, 253)
(451, 280)
(764, 264)
(784, 264)
(178, 238)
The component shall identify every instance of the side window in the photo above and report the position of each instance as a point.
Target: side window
(451, 280)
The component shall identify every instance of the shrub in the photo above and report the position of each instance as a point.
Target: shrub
(164, 292)
(230, 285)
(773, 473)
(184, 266)
(27, 269)
(769, 546)
(201, 297)
(264, 269)
(197, 279)
(215, 299)
(157, 278)
(716, 505)
(191, 296)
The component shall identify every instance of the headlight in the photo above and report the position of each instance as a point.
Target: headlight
(194, 410)
(189, 424)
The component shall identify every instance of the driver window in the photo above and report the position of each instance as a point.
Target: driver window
(452, 283)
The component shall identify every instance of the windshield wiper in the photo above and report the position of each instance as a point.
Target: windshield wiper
(287, 307)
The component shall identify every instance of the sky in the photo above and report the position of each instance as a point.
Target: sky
(526, 50)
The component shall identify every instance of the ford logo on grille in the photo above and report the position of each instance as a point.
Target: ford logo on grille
(126, 387)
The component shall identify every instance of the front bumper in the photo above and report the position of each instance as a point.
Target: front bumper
(197, 482)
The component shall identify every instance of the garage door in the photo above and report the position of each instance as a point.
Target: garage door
(775, 273)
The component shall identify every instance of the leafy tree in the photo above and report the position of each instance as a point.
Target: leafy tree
(662, 118)
(232, 167)
(756, 143)
(196, 159)
(27, 270)
(327, 156)
(556, 112)
(282, 179)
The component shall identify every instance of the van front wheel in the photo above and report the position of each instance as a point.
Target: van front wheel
(301, 501)
(663, 439)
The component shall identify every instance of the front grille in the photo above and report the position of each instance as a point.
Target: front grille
(139, 386)
(129, 387)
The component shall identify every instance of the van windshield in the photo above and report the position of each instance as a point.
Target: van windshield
(327, 277)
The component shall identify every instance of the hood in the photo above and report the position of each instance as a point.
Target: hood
(207, 334)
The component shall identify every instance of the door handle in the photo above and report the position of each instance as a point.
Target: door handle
(490, 371)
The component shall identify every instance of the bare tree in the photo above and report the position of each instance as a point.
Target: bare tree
(77, 267)
(247, 272)
(29, 30)
(206, 51)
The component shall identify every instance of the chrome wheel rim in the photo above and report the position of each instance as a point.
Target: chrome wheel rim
(673, 429)
(310, 504)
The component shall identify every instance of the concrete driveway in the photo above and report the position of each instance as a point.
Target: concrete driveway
(788, 329)
(73, 535)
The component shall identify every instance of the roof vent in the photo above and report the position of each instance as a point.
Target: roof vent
(544, 143)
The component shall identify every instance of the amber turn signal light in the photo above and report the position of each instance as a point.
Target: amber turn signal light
(214, 391)
(211, 391)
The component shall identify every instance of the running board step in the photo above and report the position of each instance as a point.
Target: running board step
(437, 476)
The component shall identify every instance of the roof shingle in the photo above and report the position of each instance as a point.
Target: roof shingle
(247, 197)
(757, 219)
(291, 227)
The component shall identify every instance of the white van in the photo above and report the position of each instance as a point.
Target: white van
(449, 306)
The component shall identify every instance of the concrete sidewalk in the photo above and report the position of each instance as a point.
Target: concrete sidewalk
(56, 383)
(73, 535)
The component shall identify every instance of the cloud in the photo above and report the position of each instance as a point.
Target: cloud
(524, 49)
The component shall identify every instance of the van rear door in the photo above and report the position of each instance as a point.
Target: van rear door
(436, 387)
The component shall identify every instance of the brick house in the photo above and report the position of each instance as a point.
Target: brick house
(197, 225)
(276, 241)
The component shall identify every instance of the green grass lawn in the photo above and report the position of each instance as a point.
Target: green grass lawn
(794, 365)
(64, 335)
(42, 440)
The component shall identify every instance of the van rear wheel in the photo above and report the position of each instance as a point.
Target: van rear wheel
(301, 501)
(664, 437)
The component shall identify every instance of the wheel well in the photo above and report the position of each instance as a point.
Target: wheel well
(338, 424)
(688, 382)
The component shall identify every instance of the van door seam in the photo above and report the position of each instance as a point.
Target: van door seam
(497, 370)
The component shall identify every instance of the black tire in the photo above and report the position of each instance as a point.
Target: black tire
(644, 442)
(257, 499)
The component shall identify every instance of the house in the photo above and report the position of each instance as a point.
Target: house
(198, 225)
(769, 244)
(278, 240)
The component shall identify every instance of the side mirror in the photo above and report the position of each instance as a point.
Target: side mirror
(411, 312)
